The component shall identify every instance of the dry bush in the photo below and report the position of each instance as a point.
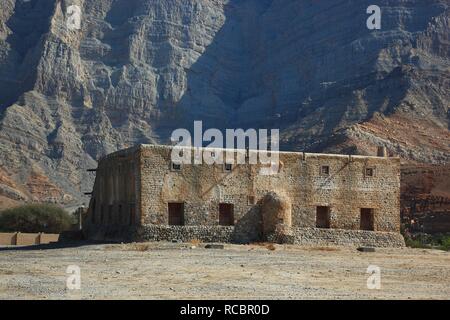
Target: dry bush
(324, 249)
(195, 242)
(259, 244)
(267, 245)
(139, 247)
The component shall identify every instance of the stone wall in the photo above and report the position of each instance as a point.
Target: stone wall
(221, 234)
(114, 200)
(339, 237)
(133, 188)
(27, 239)
(301, 236)
(188, 233)
(346, 189)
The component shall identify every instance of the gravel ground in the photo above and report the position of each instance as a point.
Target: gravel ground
(177, 271)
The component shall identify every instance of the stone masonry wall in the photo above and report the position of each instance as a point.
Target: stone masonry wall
(114, 201)
(221, 234)
(339, 237)
(203, 187)
(301, 236)
(134, 187)
(187, 233)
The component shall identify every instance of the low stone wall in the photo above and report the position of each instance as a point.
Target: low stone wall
(314, 236)
(300, 236)
(27, 239)
(187, 233)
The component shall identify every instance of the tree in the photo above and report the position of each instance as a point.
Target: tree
(35, 218)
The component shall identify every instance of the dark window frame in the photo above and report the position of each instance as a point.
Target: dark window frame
(175, 167)
(226, 168)
(370, 170)
(325, 170)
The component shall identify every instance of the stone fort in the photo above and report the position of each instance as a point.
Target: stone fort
(319, 199)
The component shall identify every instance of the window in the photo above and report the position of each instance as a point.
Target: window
(176, 214)
(93, 211)
(226, 214)
(325, 170)
(120, 218)
(110, 213)
(323, 217)
(227, 167)
(251, 200)
(370, 172)
(102, 213)
(367, 221)
(132, 214)
(175, 166)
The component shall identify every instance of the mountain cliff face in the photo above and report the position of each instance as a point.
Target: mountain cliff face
(138, 69)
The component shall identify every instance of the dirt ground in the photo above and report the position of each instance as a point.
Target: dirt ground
(189, 271)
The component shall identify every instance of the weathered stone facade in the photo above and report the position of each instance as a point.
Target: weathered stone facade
(140, 188)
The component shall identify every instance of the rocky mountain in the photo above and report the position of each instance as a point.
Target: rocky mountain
(137, 69)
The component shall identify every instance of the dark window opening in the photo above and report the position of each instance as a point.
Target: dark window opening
(325, 170)
(370, 172)
(102, 213)
(93, 212)
(367, 219)
(226, 214)
(119, 214)
(175, 166)
(228, 167)
(323, 217)
(176, 214)
(132, 214)
(110, 213)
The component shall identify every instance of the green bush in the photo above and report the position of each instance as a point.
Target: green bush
(445, 243)
(427, 241)
(35, 218)
(411, 243)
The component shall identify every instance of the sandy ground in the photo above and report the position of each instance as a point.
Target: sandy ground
(177, 271)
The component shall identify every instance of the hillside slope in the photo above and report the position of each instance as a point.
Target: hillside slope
(138, 69)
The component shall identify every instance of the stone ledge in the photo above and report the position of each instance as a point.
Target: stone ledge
(339, 237)
(222, 234)
(187, 233)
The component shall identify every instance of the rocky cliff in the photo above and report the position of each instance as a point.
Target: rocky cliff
(137, 69)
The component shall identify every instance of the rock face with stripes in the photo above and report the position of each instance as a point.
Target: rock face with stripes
(134, 70)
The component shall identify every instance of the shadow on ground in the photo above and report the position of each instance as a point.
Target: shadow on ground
(52, 246)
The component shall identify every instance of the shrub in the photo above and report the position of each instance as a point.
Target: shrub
(34, 218)
(417, 244)
(196, 242)
(426, 241)
(445, 243)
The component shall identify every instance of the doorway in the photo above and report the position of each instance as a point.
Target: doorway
(176, 214)
(323, 217)
(367, 219)
(226, 214)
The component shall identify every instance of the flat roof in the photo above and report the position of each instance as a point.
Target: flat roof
(128, 151)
